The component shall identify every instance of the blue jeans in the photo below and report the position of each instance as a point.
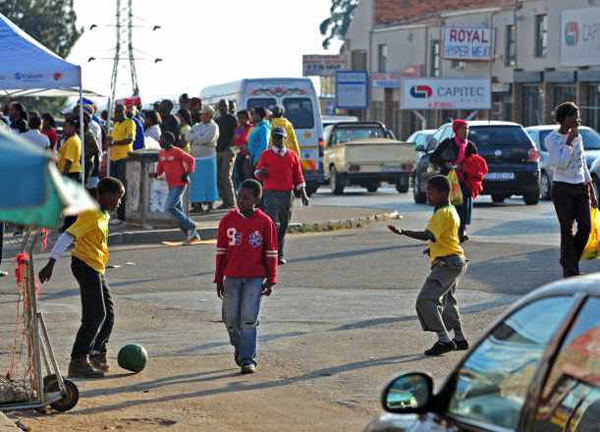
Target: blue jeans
(173, 206)
(241, 309)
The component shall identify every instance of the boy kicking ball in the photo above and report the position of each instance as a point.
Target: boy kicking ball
(90, 256)
(437, 307)
(246, 270)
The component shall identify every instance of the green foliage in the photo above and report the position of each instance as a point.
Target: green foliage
(337, 24)
(53, 24)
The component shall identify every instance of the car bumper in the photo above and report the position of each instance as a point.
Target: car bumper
(524, 182)
(366, 178)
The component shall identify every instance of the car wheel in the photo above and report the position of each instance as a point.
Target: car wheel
(402, 187)
(336, 181)
(418, 196)
(544, 186)
(373, 187)
(532, 198)
(498, 199)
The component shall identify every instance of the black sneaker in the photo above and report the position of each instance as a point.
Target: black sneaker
(81, 368)
(100, 362)
(440, 348)
(248, 369)
(282, 261)
(461, 345)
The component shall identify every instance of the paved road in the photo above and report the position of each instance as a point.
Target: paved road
(339, 325)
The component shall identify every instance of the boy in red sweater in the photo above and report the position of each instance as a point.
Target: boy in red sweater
(280, 171)
(176, 165)
(246, 270)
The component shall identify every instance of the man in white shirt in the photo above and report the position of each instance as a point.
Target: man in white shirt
(34, 135)
(572, 189)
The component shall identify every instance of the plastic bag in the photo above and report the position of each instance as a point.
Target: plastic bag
(456, 196)
(591, 248)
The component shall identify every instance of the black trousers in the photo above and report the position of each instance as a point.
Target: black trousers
(97, 310)
(572, 204)
(278, 205)
(118, 171)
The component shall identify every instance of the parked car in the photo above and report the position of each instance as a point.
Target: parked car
(361, 154)
(591, 146)
(536, 369)
(328, 120)
(421, 137)
(511, 155)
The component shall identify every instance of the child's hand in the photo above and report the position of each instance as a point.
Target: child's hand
(152, 175)
(267, 288)
(46, 273)
(220, 289)
(427, 252)
(185, 177)
(261, 173)
(395, 230)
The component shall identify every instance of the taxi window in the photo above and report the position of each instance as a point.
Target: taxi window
(266, 103)
(300, 112)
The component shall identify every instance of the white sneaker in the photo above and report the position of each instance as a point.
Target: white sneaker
(190, 234)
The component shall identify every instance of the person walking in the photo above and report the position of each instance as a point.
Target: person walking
(120, 144)
(572, 189)
(246, 270)
(89, 260)
(242, 168)
(152, 121)
(449, 155)
(258, 141)
(49, 129)
(281, 172)
(176, 165)
(203, 138)
(278, 120)
(437, 306)
(225, 155)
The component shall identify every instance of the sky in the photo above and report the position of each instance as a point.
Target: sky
(201, 42)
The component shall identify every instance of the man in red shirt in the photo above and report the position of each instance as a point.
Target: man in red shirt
(246, 269)
(280, 171)
(176, 165)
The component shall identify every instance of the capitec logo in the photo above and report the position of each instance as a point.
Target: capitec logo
(421, 92)
(572, 33)
(19, 76)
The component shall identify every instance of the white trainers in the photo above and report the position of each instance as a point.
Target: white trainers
(192, 235)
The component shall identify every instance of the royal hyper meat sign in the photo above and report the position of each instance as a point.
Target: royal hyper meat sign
(446, 94)
(468, 43)
(580, 37)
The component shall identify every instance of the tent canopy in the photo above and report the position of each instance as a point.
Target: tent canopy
(27, 64)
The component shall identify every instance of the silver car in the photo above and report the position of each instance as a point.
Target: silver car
(537, 369)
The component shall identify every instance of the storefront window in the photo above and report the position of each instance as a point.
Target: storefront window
(532, 106)
(591, 113)
(564, 94)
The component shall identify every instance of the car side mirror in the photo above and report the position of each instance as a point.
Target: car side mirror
(409, 393)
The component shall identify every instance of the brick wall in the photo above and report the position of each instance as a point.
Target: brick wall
(399, 11)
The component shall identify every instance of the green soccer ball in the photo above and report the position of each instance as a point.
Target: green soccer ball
(133, 357)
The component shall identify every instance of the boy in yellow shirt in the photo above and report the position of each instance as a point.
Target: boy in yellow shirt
(90, 256)
(437, 306)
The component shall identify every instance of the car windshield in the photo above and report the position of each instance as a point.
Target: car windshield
(497, 136)
(300, 112)
(346, 134)
(261, 102)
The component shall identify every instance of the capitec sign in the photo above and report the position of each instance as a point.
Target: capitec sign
(446, 94)
(580, 38)
(468, 43)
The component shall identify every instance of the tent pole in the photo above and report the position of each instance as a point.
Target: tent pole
(81, 128)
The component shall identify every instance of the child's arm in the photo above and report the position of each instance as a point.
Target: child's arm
(416, 235)
(63, 242)
(271, 257)
(221, 259)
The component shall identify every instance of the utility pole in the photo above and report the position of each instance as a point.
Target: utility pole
(134, 80)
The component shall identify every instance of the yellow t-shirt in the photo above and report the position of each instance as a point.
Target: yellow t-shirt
(121, 131)
(91, 238)
(70, 151)
(444, 226)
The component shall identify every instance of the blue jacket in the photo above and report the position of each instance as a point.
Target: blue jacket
(138, 142)
(259, 140)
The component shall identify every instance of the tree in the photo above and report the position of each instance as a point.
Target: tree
(53, 24)
(337, 24)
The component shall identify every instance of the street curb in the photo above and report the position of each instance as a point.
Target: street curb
(210, 233)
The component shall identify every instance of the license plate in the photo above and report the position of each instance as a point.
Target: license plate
(500, 176)
(390, 169)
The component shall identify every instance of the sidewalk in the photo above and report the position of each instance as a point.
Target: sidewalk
(6, 425)
(304, 220)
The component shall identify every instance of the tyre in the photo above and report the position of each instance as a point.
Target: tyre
(532, 198)
(545, 186)
(336, 181)
(418, 196)
(69, 400)
(498, 199)
(402, 187)
(372, 187)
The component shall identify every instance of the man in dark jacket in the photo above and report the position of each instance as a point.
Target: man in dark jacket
(225, 155)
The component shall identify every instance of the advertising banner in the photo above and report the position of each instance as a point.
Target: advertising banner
(468, 43)
(580, 37)
(446, 94)
(322, 65)
(352, 90)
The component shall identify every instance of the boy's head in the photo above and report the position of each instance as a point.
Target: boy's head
(167, 140)
(278, 136)
(70, 127)
(110, 192)
(438, 189)
(249, 195)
